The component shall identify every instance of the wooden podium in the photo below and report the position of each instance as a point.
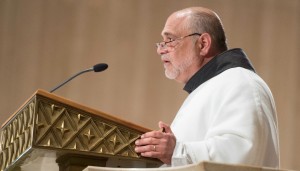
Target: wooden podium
(68, 136)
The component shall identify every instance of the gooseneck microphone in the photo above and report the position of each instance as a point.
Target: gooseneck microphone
(96, 68)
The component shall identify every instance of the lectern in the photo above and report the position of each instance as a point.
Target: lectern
(67, 135)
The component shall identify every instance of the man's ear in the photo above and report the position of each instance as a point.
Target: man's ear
(204, 43)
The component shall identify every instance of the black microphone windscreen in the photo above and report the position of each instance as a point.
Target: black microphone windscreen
(100, 67)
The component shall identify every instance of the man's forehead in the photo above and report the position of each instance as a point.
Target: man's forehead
(175, 24)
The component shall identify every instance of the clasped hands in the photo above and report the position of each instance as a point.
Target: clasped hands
(157, 144)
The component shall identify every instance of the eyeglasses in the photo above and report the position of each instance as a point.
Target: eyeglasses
(172, 43)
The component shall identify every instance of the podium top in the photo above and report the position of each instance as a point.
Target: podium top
(87, 109)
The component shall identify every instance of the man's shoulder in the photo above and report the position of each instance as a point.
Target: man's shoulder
(238, 75)
(234, 79)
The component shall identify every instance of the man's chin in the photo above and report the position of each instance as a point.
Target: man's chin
(171, 75)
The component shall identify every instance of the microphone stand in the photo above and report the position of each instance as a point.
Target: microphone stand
(66, 81)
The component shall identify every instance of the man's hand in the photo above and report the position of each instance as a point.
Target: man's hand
(157, 144)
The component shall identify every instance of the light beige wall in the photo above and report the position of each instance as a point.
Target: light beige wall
(43, 42)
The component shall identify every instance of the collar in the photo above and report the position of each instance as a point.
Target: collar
(228, 59)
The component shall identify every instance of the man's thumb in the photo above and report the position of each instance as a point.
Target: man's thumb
(165, 128)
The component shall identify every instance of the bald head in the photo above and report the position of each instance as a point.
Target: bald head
(203, 20)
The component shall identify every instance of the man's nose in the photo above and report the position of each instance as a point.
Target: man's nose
(161, 51)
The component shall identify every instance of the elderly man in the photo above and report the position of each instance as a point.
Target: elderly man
(229, 115)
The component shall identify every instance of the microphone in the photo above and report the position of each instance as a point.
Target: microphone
(96, 68)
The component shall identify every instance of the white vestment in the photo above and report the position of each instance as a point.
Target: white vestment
(230, 118)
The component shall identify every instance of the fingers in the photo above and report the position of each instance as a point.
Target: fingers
(147, 148)
(148, 143)
(151, 154)
(165, 127)
(157, 144)
(153, 134)
(154, 137)
(153, 151)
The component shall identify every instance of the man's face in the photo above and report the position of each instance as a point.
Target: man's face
(180, 57)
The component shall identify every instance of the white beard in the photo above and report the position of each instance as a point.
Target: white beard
(172, 74)
(174, 71)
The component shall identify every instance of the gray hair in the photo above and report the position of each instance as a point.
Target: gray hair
(202, 20)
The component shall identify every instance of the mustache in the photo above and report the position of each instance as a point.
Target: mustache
(165, 58)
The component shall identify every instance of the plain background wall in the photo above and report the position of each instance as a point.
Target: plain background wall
(43, 42)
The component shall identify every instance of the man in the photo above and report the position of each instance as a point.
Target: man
(229, 115)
